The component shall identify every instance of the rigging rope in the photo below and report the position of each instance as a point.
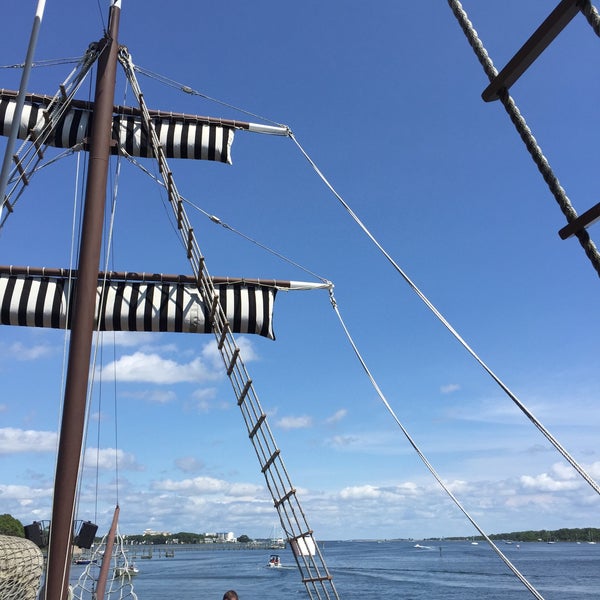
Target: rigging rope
(218, 221)
(591, 14)
(51, 62)
(523, 129)
(426, 462)
(451, 329)
(30, 148)
(189, 90)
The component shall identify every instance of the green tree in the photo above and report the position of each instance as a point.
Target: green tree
(244, 539)
(11, 526)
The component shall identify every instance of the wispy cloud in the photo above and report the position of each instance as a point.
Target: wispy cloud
(337, 416)
(19, 351)
(190, 464)
(449, 388)
(295, 422)
(153, 396)
(130, 339)
(204, 399)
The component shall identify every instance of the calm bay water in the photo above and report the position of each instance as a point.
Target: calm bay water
(363, 570)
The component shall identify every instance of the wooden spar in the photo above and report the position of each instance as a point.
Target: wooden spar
(73, 417)
(158, 277)
(161, 114)
(107, 557)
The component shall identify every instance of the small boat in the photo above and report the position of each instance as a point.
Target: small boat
(126, 570)
(274, 561)
(421, 547)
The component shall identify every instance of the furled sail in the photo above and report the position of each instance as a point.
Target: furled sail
(182, 136)
(153, 303)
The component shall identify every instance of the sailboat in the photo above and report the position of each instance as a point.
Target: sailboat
(53, 285)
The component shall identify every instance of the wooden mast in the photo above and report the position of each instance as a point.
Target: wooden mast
(73, 417)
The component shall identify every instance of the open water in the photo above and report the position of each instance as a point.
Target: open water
(365, 570)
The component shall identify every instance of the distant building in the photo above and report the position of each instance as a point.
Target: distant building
(152, 532)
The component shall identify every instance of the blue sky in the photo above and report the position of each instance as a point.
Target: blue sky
(386, 100)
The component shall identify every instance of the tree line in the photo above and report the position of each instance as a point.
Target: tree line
(11, 526)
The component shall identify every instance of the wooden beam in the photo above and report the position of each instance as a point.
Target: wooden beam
(558, 19)
(581, 222)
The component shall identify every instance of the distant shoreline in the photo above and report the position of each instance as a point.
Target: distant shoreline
(590, 535)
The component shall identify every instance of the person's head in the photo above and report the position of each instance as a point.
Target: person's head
(230, 595)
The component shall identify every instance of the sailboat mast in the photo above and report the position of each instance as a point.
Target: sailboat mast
(14, 131)
(74, 408)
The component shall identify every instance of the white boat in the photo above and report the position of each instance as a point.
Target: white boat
(274, 561)
(126, 570)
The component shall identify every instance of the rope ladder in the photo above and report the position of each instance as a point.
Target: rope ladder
(314, 573)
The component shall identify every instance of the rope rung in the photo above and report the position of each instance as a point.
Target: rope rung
(223, 335)
(283, 499)
(213, 307)
(245, 391)
(190, 242)
(327, 577)
(21, 169)
(255, 429)
(38, 146)
(581, 222)
(234, 358)
(271, 460)
(558, 19)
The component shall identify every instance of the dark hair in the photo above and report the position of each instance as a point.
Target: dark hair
(230, 595)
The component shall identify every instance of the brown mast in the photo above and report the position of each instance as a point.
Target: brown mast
(73, 418)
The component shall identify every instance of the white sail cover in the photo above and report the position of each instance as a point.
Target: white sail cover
(180, 136)
(44, 301)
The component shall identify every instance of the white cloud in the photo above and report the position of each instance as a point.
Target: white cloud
(106, 459)
(204, 399)
(295, 422)
(449, 388)
(22, 493)
(342, 441)
(13, 441)
(20, 351)
(129, 339)
(152, 368)
(153, 396)
(209, 486)
(561, 477)
(360, 492)
(247, 352)
(337, 416)
(190, 464)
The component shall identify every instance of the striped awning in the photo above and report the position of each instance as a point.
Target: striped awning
(182, 136)
(124, 305)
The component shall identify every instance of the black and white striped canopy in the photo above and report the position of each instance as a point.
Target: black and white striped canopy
(44, 301)
(181, 136)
